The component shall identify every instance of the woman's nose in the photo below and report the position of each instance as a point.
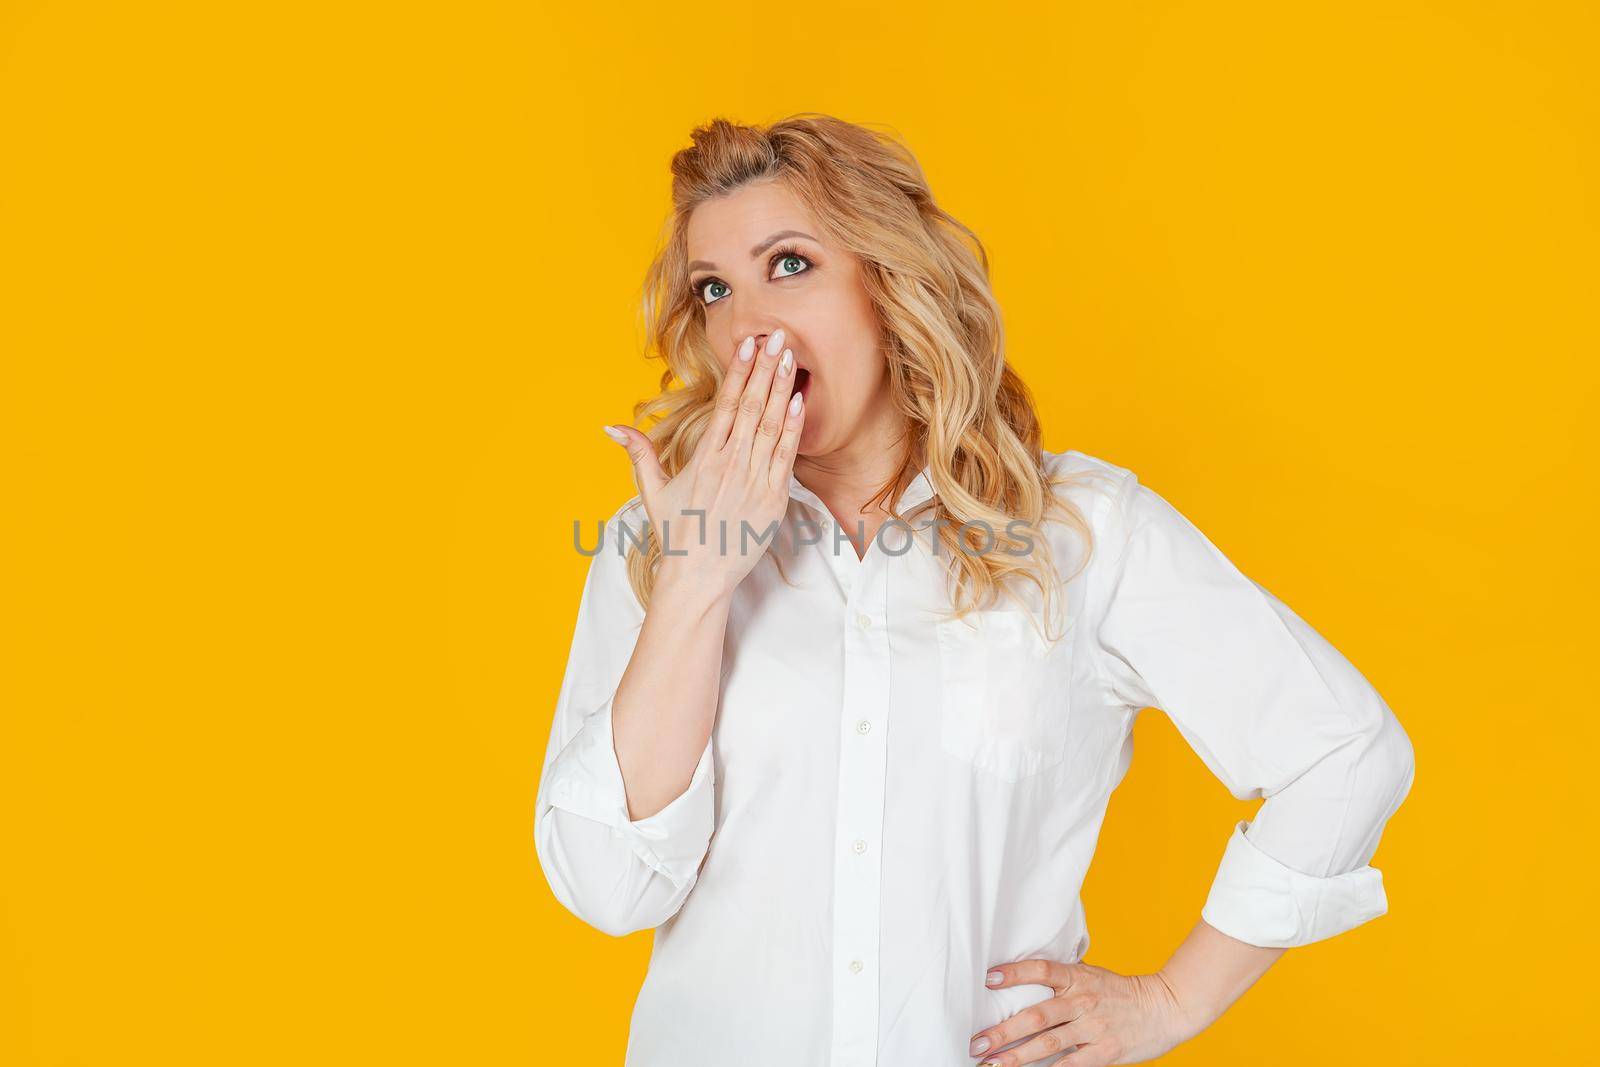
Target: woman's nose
(760, 335)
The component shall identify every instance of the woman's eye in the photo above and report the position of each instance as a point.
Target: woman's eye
(792, 259)
(788, 264)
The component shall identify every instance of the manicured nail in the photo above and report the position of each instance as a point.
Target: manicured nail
(785, 363)
(979, 1046)
(794, 403)
(747, 349)
(994, 978)
(775, 342)
(615, 434)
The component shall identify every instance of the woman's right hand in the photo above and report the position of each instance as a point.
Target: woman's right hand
(738, 474)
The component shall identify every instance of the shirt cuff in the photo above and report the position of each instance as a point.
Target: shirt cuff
(1258, 900)
(585, 779)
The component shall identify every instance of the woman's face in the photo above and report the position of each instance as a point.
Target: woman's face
(756, 266)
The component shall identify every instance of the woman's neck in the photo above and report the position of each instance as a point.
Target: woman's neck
(847, 479)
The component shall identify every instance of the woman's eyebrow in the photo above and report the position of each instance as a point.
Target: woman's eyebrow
(773, 239)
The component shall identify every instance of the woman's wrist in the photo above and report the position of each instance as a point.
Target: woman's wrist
(1208, 972)
(690, 588)
(1185, 1011)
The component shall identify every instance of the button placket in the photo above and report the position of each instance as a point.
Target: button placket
(858, 874)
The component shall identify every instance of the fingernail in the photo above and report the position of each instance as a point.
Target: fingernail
(775, 342)
(747, 349)
(786, 362)
(615, 434)
(979, 1046)
(994, 978)
(794, 403)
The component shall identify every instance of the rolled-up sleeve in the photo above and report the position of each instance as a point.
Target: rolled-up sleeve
(617, 874)
(1273, 710)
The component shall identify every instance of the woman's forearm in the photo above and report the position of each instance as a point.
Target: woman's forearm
(666, 702)
(1210, 970)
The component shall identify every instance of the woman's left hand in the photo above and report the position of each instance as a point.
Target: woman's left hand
(1115, 1018)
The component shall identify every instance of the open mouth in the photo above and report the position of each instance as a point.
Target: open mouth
(802, 382)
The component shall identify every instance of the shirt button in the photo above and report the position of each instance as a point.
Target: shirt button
(863, 726)
(864, 621)
(856, 965)
(860, 845)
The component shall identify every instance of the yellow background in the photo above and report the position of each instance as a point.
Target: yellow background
(310, 315)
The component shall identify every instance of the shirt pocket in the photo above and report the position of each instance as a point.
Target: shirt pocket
(1005, 692)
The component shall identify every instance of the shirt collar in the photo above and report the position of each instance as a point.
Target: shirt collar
(921, 489)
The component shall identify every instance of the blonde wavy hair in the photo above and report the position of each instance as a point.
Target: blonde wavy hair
(970, 418)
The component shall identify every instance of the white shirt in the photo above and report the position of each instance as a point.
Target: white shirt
(889, 804)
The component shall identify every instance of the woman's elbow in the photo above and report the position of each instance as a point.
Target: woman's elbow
(606, 915)
(598, 878)
(1390, 759)
(1405, 761)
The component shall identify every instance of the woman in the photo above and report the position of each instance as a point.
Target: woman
(855, 672)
